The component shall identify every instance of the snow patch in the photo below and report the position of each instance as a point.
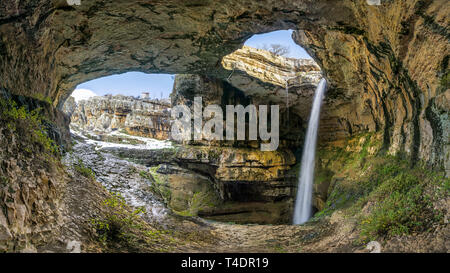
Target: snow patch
(150, 143)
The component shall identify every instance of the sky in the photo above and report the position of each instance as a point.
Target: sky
(282, 37)
(132, 84)
(160, 85)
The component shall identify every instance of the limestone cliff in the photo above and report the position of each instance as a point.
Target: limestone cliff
(271, 68)
(254, 186)
(272, 79)
(142, 117)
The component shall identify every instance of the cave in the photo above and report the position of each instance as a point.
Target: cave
(386, 63)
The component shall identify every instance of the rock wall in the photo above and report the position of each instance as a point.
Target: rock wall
(387, 72)
(254, 186)
(149, 118)
(32, 179)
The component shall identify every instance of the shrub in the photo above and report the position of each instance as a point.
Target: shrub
(145, 175)
(399, 213)
(29, 125)
(401, 203)
(83, 170)
(120, 223)
(199, 200)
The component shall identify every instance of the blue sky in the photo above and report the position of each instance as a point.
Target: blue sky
(282, 37)
(134, 83)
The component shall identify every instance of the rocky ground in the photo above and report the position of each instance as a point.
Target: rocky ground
(122, 176)
(336, 231)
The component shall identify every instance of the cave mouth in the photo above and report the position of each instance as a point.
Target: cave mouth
(100, 108)
(126, 109)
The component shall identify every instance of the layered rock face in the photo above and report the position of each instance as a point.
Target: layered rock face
(388, 73)
(142, 117)
(270, 68)
(272, 79)
(254, 186)
(31, 177)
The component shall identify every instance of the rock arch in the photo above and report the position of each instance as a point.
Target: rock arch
(378, 59)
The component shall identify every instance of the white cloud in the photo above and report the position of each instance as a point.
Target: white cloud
(82, 94)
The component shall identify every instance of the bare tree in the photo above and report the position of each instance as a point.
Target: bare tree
(277, 49)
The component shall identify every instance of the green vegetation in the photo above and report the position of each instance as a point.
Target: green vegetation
(83, 170)
(100, 155)
(121, 228)
(145, 175)
(123, 131)
(385, 194)
(29, 125)
(118, 224)
(43, 98)
(159, 186)
(401, 203)
(4, 180)
(199, 200)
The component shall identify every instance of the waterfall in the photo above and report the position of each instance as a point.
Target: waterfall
(302, 211)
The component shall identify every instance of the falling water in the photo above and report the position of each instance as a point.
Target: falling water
(302, 211)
